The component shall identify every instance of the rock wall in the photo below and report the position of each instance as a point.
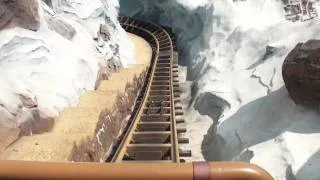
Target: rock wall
(110, 127)
(50, 54)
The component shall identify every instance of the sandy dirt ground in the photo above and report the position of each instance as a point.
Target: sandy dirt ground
(76, 123)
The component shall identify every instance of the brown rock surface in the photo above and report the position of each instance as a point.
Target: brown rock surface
(22, 13)
(7, 136)
(301, 73)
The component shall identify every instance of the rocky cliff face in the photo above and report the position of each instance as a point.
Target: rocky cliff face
(50, 52)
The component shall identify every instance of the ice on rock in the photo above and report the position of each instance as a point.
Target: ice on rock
(44, 69)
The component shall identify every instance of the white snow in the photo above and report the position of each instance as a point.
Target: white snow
(234, 52)
(52, 70)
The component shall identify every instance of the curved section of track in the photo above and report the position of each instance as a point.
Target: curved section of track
(153, 134)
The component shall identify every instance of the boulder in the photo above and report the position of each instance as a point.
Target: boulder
(20, 13)
(301, 73)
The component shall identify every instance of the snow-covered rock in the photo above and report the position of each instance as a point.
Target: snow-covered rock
(234, 52)
(49, 56)
(61, 27)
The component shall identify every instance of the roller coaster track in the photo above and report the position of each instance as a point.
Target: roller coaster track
(153, 134)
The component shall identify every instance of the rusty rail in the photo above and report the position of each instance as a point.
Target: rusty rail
(153, 134)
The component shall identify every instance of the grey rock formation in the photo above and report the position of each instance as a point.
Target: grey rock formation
(104, 32)
(62, 27)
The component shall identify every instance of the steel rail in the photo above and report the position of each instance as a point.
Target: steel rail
(159, 88)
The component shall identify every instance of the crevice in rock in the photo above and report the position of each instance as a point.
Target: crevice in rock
(289, 173)
(261, 82)
(272, 77)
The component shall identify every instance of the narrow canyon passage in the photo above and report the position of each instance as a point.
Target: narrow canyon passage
(243, 82)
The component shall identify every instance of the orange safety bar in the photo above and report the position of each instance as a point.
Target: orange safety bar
(139, 171)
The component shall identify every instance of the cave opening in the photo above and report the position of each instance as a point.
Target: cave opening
(187, 24)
